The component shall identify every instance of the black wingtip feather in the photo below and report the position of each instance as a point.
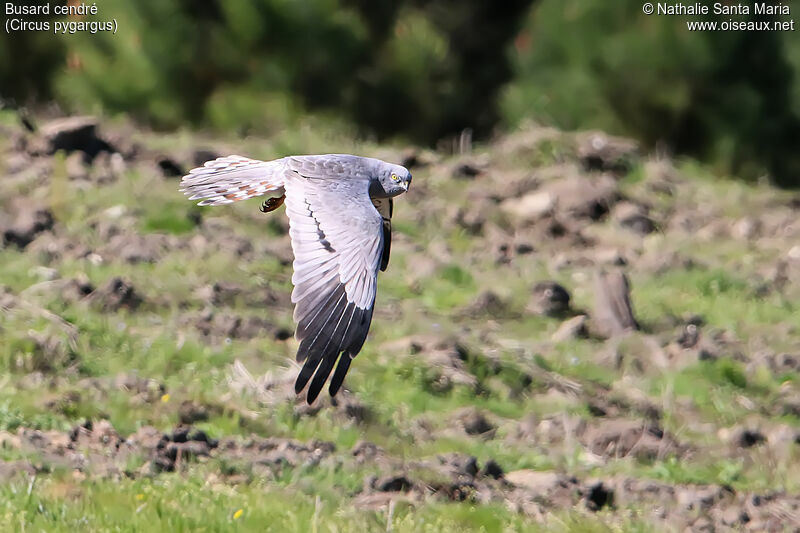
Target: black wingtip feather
(340, 373)
(305, 374)
(320, 378)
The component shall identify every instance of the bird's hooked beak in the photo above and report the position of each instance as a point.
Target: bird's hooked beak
(407, 183)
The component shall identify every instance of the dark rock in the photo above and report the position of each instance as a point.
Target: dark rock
(556, 229)
(784, 363)
(201, 156)
(748, 437)
(638, 223)
(394, 483)
(28, 224)
(524, 248)
(188, 440)
(475, 423)
(410, 159)
(282, 334)
(599, 496)
(198, 435)
(550, 299)
(180, 446)
(162, 463)
(492, 469)
(71, 134)
(704, 354)
(596, 409)
(180, 433)
(116, 294)
(466, 170)
(634, 217)
(170, 168)
(471, 467)
(457, 465)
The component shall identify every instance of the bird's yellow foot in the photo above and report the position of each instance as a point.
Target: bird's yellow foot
(272, 204)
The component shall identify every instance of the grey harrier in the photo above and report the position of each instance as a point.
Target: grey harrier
(340, 209)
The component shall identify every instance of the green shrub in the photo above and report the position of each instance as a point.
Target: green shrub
(725, 97)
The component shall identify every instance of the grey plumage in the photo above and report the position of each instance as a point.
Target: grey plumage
(339, 209)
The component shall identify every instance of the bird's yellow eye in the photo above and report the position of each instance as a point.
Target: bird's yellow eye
(395, 177)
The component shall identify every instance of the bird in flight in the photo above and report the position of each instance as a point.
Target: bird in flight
(340, 210)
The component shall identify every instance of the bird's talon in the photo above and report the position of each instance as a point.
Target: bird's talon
(272, 204)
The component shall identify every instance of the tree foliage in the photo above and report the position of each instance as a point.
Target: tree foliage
(726, 97)
(428, 69)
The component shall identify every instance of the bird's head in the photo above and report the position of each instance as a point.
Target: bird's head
(393, 180)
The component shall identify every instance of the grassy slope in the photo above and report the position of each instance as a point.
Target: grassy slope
(153, 343)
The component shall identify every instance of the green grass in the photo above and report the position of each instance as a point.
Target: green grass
(175, 504)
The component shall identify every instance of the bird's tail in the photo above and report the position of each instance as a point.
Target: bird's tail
(232, 178)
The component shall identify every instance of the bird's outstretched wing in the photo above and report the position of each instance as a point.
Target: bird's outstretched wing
(338, 239)
(232, 178)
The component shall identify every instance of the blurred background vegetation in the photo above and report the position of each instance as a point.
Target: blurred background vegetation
(426, 70)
